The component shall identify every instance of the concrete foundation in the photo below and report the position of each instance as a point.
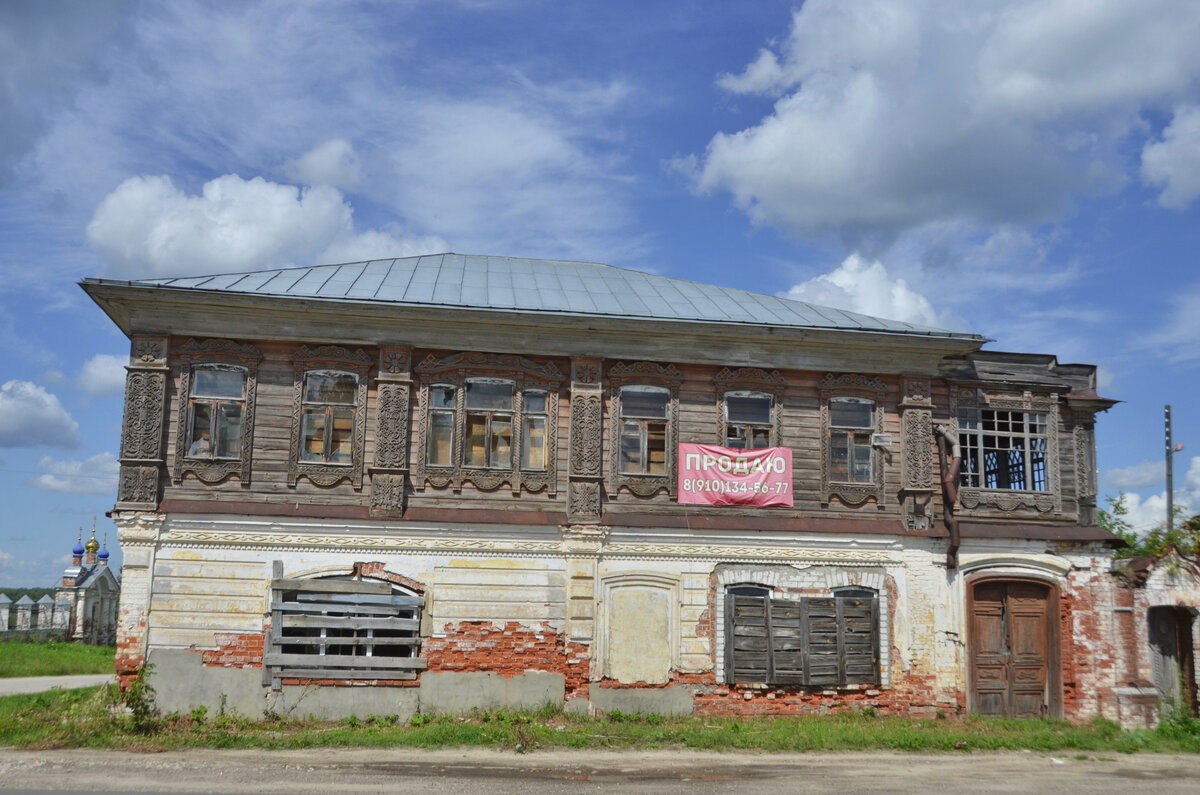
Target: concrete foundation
(182, 683)
(455, 693)
(657, 701)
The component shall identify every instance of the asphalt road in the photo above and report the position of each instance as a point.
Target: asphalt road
(469, 770)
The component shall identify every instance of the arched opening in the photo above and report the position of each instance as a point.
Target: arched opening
(1012, 641)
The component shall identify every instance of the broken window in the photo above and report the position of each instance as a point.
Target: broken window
(851, 423)
(215, 409)
(812, 641)
(748, 420)
(327, 417)
(644, 427)
(489, 424)
(1003, 449)
(339, 628)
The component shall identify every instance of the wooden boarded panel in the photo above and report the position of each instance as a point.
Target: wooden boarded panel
(1010, 649)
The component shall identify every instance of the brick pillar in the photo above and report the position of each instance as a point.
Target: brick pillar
(389, 468)
(584, 536)
(138, 534)
(142, 430)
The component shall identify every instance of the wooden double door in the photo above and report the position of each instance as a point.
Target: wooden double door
(1012, 649)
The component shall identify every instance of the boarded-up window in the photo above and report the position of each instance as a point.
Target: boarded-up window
(818, 642)
(343, 629)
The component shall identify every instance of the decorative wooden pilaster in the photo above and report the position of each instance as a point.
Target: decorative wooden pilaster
(585, 456)
(142, 430)
(389, 470)
(917, 471)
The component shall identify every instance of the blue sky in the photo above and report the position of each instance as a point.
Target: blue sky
(1024, 170)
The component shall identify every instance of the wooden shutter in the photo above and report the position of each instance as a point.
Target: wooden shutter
(817, 642)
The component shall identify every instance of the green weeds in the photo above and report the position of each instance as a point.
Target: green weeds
(96, 717)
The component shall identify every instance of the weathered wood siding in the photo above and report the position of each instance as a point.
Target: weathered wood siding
(699, 419)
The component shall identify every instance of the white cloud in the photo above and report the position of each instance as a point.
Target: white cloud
(1137, 476)
(333, 162)
(1145, 512)
(889, 116)
(95, 475)
(1174, 162)
(32, 417)
(54, 377)
(148, 227)
(103, 374)
(860, 286)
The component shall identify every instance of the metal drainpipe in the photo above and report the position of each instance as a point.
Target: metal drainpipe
(950, 461)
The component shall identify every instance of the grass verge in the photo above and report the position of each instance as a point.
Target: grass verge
(90, 717)
(54, 658)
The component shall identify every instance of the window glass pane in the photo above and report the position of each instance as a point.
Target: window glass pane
(217, 383)
(229, 430)
(631, 446)
(312, 435)
(759, 438)
(839, 456)
(495, 395)
(201, 431)
(441, 397)
(849, 413)
(748, 408)
(341, 436)
(644, 401)
(441, 436)
(475, 445)
(862, 458)
(501, 443)
(535, 402)
(330, 388)
(656, 448)
(533, 444)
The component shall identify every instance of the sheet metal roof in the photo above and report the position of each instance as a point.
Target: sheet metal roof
(539, 286)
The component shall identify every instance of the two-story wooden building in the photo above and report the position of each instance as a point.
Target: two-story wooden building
(444, 482)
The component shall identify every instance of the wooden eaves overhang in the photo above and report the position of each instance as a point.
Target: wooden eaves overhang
(139, 308)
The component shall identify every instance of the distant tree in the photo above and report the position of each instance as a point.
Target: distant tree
(1184, 537)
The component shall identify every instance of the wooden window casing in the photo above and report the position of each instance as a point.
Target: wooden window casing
(851, 415)
(810, 642)
(643, 428)
(734, 427)
(198, 363)
(329, 415)
(342, 629)
(489, 420)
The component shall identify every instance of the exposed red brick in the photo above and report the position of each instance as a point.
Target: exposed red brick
(472, 646)
(235, 650)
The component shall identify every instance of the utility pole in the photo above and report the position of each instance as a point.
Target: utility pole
(1171, 451)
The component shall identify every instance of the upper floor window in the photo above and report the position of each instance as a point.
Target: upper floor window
(851, 423)
(329, 415)
(327, 423)
(493, 427)
(1003, 449)
(214, 422)
(644, 427)
(749, 420)
(216, 407)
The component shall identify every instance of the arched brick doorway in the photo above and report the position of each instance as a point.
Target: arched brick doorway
(1012, 648)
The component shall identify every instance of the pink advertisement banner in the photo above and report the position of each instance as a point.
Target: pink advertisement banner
(711, 475)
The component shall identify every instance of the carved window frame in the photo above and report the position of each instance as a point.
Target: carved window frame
(338, 359)
(457, 370)
(857, 386)
(1012, 500)
(644, 374)
(215, 353)
(750, 379)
